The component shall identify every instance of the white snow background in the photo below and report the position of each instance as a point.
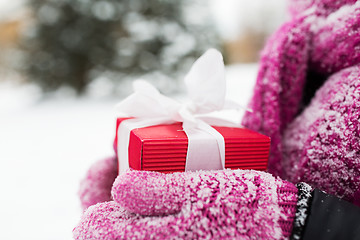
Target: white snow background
(47, 146)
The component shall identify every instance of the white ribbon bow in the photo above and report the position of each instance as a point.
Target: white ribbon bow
(206, 87)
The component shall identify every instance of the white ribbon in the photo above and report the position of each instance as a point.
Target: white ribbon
(206, 87)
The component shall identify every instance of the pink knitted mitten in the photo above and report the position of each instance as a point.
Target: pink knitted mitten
(307, 97)
(96, 186)
(193, 205)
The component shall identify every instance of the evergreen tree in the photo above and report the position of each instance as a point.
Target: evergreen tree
(73, 41)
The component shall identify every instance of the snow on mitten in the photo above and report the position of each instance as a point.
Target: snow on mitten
(193, 205)
(312, 143)
(322, 145)
(278, 88)
(96, 186)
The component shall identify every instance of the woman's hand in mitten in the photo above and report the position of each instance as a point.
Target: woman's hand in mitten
(193, 205)
(322, 145)
(96, 186)
(314, 139)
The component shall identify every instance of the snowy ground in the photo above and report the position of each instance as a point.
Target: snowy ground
(46, 148)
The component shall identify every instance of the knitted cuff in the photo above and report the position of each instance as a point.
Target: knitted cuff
(302, 210)
(287, 197)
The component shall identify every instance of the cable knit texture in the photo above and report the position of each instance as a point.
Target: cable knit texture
(96, 186)
(226, 204)
(315, 140)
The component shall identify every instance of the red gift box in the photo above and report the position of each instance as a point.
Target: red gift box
(163, 148)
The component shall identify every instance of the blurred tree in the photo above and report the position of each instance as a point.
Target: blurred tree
(71, 42)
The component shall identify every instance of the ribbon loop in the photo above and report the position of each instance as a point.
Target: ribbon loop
(205, 82)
